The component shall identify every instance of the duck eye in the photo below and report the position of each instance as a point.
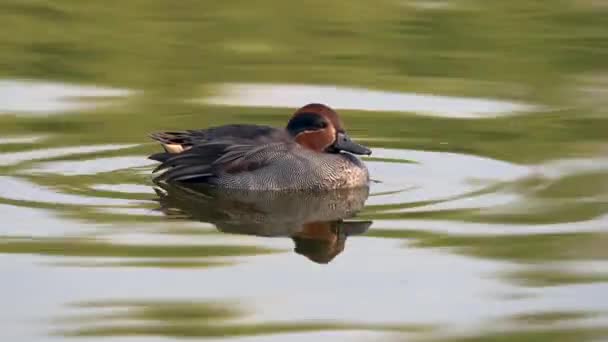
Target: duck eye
(306, 122)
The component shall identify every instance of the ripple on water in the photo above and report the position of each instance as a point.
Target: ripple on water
(438, 176)
(436, 284)
(29, 97)
(38, 223)
(91, 166)
(17, 189)
(441, 186)
(566, 167)
(126, 188)
(452, 227)
(22, 139)
(13, 158)
(293, 95)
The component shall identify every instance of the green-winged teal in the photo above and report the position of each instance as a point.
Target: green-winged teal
(312, 153)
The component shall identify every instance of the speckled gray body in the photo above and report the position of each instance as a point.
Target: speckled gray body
(252, 157)
(296, 168)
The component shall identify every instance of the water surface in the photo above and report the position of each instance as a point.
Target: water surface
(486, 219)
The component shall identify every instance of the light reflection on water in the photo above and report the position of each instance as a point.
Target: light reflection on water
(20, 190)
(487, 215)
(31, 97)
(436, 284)
(284, 95)
(11, 158)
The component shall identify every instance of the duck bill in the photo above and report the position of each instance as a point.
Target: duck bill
(344, 143)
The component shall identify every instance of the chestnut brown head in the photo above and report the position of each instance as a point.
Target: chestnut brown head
(319, 128)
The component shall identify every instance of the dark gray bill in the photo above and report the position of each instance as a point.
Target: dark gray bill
(343, 143)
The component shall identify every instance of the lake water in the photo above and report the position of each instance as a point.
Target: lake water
(486, 219)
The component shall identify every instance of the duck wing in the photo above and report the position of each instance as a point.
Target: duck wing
(179, 141)
(233, 132)
(208, 160)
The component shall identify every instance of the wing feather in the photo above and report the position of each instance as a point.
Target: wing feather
(205, 161)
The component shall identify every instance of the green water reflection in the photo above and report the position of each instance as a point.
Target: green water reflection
(532, 206)
(187, 319)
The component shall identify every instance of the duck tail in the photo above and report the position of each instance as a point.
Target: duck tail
(160, 157)
(172, 142)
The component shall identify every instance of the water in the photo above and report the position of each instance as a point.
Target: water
(486, 220)
(282, 95)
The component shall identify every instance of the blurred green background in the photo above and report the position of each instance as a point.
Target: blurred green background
(550, 53)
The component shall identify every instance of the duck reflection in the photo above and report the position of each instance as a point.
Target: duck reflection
(314, 221)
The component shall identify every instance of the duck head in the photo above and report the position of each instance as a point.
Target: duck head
(321, 242)
(319, 128)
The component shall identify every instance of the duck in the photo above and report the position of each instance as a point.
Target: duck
(312, 152)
